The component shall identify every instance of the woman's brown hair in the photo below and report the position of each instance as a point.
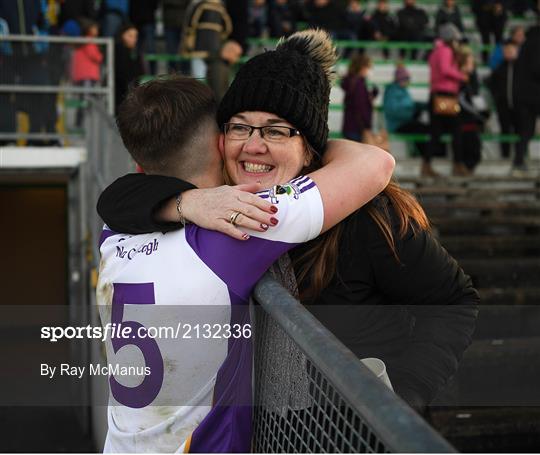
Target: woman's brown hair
(358, 62)
(316, 268)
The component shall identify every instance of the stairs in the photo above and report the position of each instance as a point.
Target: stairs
(491, 225)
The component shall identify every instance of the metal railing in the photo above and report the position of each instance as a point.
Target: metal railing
(313, 395)
(37, 89)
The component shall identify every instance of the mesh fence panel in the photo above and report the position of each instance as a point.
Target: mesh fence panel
(297, 409)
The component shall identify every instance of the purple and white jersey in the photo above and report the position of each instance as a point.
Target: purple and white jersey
(191, 395)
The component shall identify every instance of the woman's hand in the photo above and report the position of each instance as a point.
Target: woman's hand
(211, 208)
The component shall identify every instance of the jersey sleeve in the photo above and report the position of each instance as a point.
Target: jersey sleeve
(240, 264)
(300, 211)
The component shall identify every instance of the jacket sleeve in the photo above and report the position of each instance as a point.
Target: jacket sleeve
(361, 105)
(447, 66)
(429, 283)
(128, 204)
(93, 53)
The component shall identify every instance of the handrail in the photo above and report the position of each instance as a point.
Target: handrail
(411, 137)
(56, 39)
(395, 423)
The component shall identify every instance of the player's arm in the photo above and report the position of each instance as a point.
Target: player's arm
(353, 174)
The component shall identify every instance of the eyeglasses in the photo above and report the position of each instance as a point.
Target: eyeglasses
(241, 132)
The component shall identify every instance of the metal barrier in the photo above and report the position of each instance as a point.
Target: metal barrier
(37, 91)
(312, 394)
(107, 159)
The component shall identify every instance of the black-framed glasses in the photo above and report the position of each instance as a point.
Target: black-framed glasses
(272, 133)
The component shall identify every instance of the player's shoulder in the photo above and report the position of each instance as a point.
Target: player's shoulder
(293, 189)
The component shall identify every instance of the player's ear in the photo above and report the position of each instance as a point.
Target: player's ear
(221, 145)
(139, 169)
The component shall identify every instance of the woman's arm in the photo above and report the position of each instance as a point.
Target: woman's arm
(140, 203)
(448, 67)
(352, 175)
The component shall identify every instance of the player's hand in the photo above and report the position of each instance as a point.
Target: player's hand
(212, 208)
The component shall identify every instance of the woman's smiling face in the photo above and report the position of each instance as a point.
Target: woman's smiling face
(261, 160)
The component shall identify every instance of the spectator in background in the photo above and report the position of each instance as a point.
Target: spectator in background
(128, 67)
(500, 83)
(412, 23)
(142, 14)
(401, 112)
(517, 37)
(491, 16)
(448, 12)
(33, 64)
(237, 11)
(86, 63)
(173, 20)
(75, 9)
(472, 118)
(258, 16)
(358, 27)
(7, 76)
(384, 24)
(357, 116)
(527, 96)
(445, 83)
(328, 15)
(282, 18)
(208, 27)
(521, 7)
(113, 14)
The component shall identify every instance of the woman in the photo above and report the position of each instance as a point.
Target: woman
(446, 80)
(384, 254)
(358, 114)
(128, 66)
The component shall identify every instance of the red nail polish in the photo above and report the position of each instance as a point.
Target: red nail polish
(245, 236)
(274, 221)
(264, 226)
(273, 209)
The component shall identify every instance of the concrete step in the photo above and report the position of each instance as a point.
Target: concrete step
(496, 372)
(489, 429)
(475, 209)
(491, 246)
(503, 272)
(487, 225)
(509, 320)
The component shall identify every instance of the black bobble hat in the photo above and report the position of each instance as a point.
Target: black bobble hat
(293, 82)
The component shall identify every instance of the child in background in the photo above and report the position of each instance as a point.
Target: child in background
(401, 112)
(86, 62)
(358, 113)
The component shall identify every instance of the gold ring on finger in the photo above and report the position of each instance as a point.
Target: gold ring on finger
(234, 217)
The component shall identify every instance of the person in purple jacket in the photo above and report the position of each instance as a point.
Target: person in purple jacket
(358, 112)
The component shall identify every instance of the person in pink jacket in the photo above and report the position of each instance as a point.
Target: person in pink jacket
(446, 80)
(86, 62)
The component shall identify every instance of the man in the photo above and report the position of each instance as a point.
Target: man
(500, 83)
(412, 22)
(527, 96)
(196, 396)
